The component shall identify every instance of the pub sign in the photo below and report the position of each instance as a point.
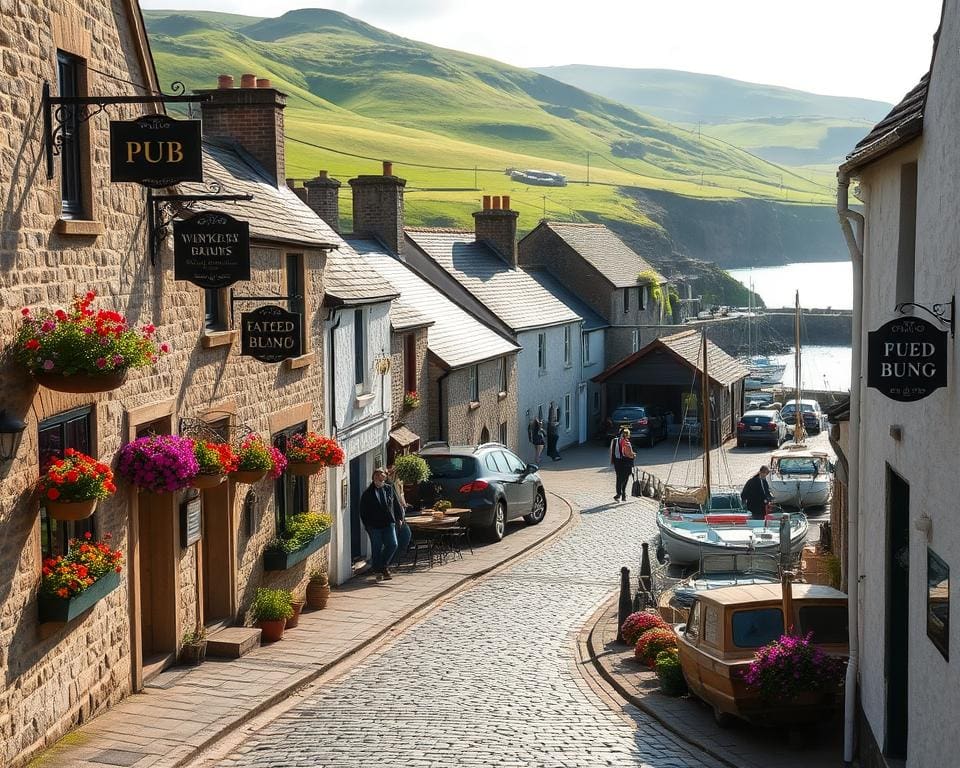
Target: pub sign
(155, 151)
(907, 359)
(271, 334)
(211, 249)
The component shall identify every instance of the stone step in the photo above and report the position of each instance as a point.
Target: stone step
(233, 642)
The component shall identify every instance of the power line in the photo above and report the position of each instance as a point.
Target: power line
(474, 168)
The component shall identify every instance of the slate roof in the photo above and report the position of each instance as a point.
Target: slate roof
(591, 320)
(721, 368)
(403, 317)
(511, 294)
(608, 254)
(456, 338)
(902, 124)
(349, 280)
(275, 214)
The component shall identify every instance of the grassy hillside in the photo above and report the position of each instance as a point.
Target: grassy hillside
(779, 124)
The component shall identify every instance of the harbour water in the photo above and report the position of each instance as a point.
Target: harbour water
(822, 368)
(822, 284)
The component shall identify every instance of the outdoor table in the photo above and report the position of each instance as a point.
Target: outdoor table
(436, 530)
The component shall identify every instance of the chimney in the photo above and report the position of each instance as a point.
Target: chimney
(378, 207)
(251, 116)
(323, 196)
(496, 225)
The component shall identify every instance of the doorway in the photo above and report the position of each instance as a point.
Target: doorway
(218, 565)
(898, 614)
(356, 488)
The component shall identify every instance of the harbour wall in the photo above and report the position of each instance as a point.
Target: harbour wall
(772, 331)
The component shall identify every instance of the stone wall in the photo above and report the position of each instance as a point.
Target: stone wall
(417, 419)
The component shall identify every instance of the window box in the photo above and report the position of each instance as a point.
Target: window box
(281, 561)
(59, 609)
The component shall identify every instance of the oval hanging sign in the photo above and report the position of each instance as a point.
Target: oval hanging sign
(907, 359)
(271, 334)
(211, 249)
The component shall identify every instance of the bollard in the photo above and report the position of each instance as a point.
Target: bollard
(625, 608)
(645, 568)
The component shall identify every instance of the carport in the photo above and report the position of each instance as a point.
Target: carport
(668, 371)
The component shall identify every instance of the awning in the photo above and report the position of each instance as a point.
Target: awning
(403, 436)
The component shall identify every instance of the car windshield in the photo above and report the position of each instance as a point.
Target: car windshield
(629, 414)
(451, 467)
(798, 466)
(757, 627)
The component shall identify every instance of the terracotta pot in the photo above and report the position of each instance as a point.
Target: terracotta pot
(201, 482)
(248, 476)
(70, 510)
(81, 382)
(271, 631)
(193, 653)
(304, 468)
(317, 595)
(295, 619)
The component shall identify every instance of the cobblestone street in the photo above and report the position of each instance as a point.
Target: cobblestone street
(489, 678)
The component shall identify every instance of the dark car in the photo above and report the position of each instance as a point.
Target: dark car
(765, 427)
(490, 480)
(647, 423)
(812, 415)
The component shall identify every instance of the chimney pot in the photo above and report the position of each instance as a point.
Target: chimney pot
(486, 202)
(323, 174)
(387, 168)
(248, 81)
(263, 82)
(505, 201)
(225, 81)
(496, 202)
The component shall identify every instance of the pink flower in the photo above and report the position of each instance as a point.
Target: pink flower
(48, 326)
(25, 311)
(48, 365)
(164, 348)
(118, 359)
(101, 362)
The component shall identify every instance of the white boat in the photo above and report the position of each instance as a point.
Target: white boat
(800, 477)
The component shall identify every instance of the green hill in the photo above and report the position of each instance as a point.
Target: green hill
(453, 123)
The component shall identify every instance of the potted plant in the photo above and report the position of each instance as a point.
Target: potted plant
(637, 623)
(297, 605)
(83, 350)
(71, 486)
(308, 453)
(652, 642)
(793, 670)
(304, 534)
(194, 648)
(270, 610)
(411, 400)
(214, 460)
(70, 584)
(159, 463)
(411, 469)
(318, 589)
(255, 459)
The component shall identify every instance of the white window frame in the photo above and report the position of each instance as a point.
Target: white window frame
(635, 339)
(567, 345)
(502, 374)
(585, 346)
(474, 383)
(567, 406)
(542, 352)
(642, 297)
(361, 345)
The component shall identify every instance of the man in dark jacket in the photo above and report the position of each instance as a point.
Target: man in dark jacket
(382, 516)
(756, 493)
(553, 431)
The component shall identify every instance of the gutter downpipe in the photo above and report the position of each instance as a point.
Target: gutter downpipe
(852, 224)
(333, 381)
(441, 421)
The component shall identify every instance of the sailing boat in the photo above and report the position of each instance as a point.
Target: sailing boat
(697, 521)
(800, 477)
(763, 371)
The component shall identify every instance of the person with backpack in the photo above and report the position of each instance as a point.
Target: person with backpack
(622, 456)
(538, 437)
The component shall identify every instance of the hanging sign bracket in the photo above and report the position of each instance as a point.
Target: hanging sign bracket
(938, 312)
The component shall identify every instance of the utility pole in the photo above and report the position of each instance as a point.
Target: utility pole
(476, 184)
(588, 169)
(544, 206)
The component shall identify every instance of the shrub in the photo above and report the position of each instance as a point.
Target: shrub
(411, 469)
(83, 341)
(256, 455)
(411, 400)
(320, 577)
(76, 477)
(86, 561)
(792, 665)
(301, 529)
(312, 448)
(214, 458)
(669, 673)
(652, 642)
(159, 463)
(272, 605)
(637, 623)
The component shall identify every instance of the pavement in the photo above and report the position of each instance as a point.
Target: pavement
(475, 662)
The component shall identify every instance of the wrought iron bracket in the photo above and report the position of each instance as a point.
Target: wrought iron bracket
(203, 429)
(163, 209)
(58, 110)
(938, 312)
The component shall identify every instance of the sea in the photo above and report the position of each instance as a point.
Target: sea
(822, 285)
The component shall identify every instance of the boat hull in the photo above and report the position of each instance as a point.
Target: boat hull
(685, 546)
(799, 492)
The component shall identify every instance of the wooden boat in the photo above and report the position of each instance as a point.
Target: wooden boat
(726, 626)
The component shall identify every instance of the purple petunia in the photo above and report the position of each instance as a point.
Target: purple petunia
(159, 463)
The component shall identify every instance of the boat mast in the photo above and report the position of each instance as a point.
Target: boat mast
(705, 396)
(798, 430)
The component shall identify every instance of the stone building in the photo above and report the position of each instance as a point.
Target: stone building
(76, 232)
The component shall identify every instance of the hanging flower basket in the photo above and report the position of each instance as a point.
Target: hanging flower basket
(82, 350)
(304, 468)
(411, 400)
(159, 463)
(308, 454)
(248, 477)
(215, 460)
(203, 482)
(73, 582)
(70, 487)
(255, 458)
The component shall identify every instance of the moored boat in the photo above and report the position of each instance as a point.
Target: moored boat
(800, 477)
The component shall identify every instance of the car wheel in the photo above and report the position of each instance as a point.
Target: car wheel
(539, 510)
(499, 525)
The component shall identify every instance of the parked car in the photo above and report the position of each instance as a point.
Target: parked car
(647, 423)
(812, 415)
(761, 426)
(757, 400)
(490, 480)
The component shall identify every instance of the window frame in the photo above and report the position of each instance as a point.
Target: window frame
(288, 487)
(360, 350)
(626, 300)
(542, 352)
(214, 310)
(74, 195)
(642, 297)
(635, 340)
(502, 432)
(410, 363)
(474, 383)
(567, 346)
(567, 407)
(502, 374)
(296, 280)
(585, 348)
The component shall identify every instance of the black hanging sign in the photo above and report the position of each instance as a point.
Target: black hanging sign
(191, 521)
(271, 334)
(211, 250)
(907, 359)
(155, 151)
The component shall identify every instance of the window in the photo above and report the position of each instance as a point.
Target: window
(451, 467)
(55, 435)
(296, 293)
(359, 349)
(567, 399)
(290, 491)
(626, 300)
(542, 352)
(474, 383)
(907, 245)
(711, 625)
(515, 464)
(642, 297)
(214, 318)
(502, 374)
(502, 436)
(69, 79)
(490, 462)
(409, 363)
(596, 402)
(752, 629)
(635, 339)
(567, 345)
(693, 622)
(585, 344)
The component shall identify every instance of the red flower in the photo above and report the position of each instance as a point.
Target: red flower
(32, 344)
(53, 494)
(25, 311)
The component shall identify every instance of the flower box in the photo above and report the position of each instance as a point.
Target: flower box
(82, 382)
(304, 468)
(61, 609)
(274, 560)
(70, 510)
(203, 482)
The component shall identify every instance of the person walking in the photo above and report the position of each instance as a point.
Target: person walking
(756, 493)
(537, 437)
(622, 456)
(383, 517)
(553, 431)
(404, 532)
